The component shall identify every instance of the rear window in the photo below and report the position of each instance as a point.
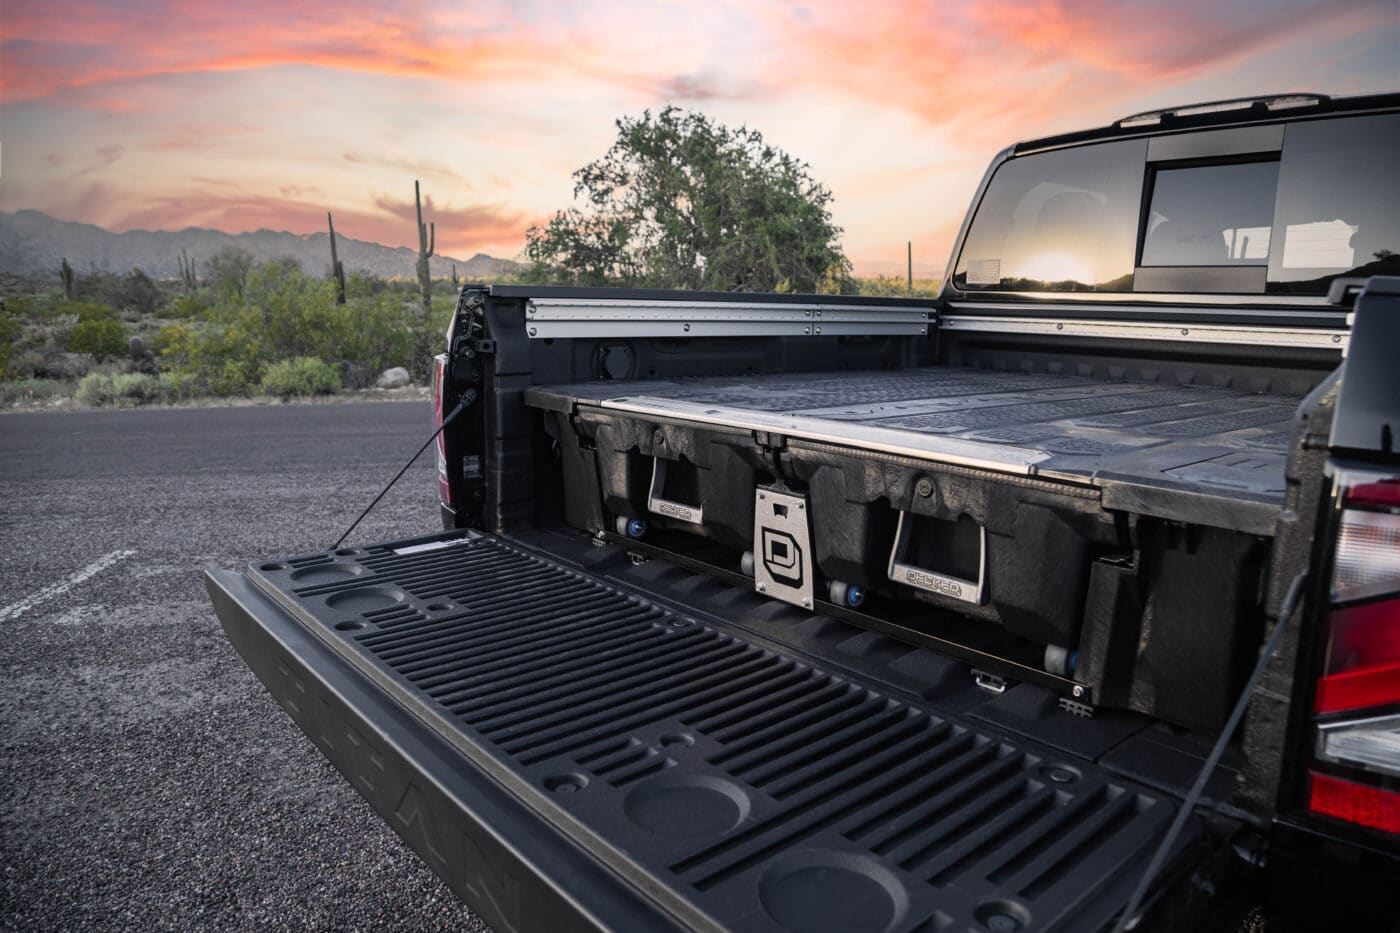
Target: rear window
(1058, 221)
(1338, 205)
(1102, 218)
(1211, 215)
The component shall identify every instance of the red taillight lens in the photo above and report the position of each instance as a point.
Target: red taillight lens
(1356, 803)
(1356, 697)
(439, 375)
(1363, 657)
(1382, 493)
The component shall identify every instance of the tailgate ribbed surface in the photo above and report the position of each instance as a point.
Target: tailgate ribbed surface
(759, 791)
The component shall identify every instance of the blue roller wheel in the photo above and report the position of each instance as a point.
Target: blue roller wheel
(855, 595)
(636, 528)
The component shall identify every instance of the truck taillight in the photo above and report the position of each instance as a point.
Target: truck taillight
(1357, 698)
(1353, 802)
(439, 387)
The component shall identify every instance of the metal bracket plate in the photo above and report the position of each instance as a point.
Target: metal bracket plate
(694, 514)
(782, 545)
(942, 584)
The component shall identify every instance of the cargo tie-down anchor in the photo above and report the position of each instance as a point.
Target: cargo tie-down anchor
(931, 581)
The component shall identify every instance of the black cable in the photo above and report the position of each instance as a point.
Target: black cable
(462, 403)
(1128, 920)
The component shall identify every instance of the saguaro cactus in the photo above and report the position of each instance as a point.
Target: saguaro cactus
(65, 274)
(427, 240)
(187, 273)
(337, 270)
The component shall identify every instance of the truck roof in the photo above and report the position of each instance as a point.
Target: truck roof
(1268, 108)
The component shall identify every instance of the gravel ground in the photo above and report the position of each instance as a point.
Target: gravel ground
(148, 781)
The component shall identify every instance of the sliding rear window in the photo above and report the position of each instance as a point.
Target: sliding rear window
(1211, 215)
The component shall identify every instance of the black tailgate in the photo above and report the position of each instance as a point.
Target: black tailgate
(721, 780)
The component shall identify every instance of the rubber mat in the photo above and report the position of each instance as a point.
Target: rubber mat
(746, 787)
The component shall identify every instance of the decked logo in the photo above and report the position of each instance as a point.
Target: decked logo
(933, 583)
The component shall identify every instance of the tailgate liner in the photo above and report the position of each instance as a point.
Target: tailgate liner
(737, 785)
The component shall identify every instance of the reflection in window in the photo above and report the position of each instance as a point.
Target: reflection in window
(1338, 203)
(1058, 221)
(1325, 244)
(1246, 243)
(1211, 215)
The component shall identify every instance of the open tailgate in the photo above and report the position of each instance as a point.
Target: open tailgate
(569, 753)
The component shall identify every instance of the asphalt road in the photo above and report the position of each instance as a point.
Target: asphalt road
(146, 780)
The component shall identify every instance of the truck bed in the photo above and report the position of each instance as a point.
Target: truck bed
(1143, 444)
(787, 772)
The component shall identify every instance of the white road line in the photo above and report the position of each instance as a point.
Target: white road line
(58, 589)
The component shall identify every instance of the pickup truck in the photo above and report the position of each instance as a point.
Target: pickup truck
(1068, 599)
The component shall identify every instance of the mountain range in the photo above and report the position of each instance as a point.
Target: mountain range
(33, 245)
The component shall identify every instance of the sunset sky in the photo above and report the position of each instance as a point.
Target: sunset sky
(237, 116)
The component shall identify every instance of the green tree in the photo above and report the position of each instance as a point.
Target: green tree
(680, 201)
(227, 271)
(136, 292)
(101, 338)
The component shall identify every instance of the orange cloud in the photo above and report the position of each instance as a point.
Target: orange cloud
(113, 115)
(107, 45)
(1035, 65)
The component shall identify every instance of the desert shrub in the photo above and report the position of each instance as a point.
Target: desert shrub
(227, 272)
(14, 391)
(102, 338)
(304, 375)
(177, 386)
(96, 389)
(32, 307)
(86, 311)
(284, 315)
(234, 377)
(368, 334)
(174, 344)
(48, 362)
(186, 307)
(361, 283)
(139, 294)
(49, 336)
(887, 286)
(137, 388)
(133, 292)
(26, 364)
(10, 331)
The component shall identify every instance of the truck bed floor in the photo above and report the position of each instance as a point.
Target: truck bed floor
(736, 783)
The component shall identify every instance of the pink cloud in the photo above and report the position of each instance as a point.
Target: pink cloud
(1008, 69)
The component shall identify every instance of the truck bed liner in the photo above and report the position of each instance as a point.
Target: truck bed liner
(1147, 439)
(735, 783)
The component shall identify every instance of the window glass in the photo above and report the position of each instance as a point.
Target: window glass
(1058, 221)
(1338, 203)
(1211, 215)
